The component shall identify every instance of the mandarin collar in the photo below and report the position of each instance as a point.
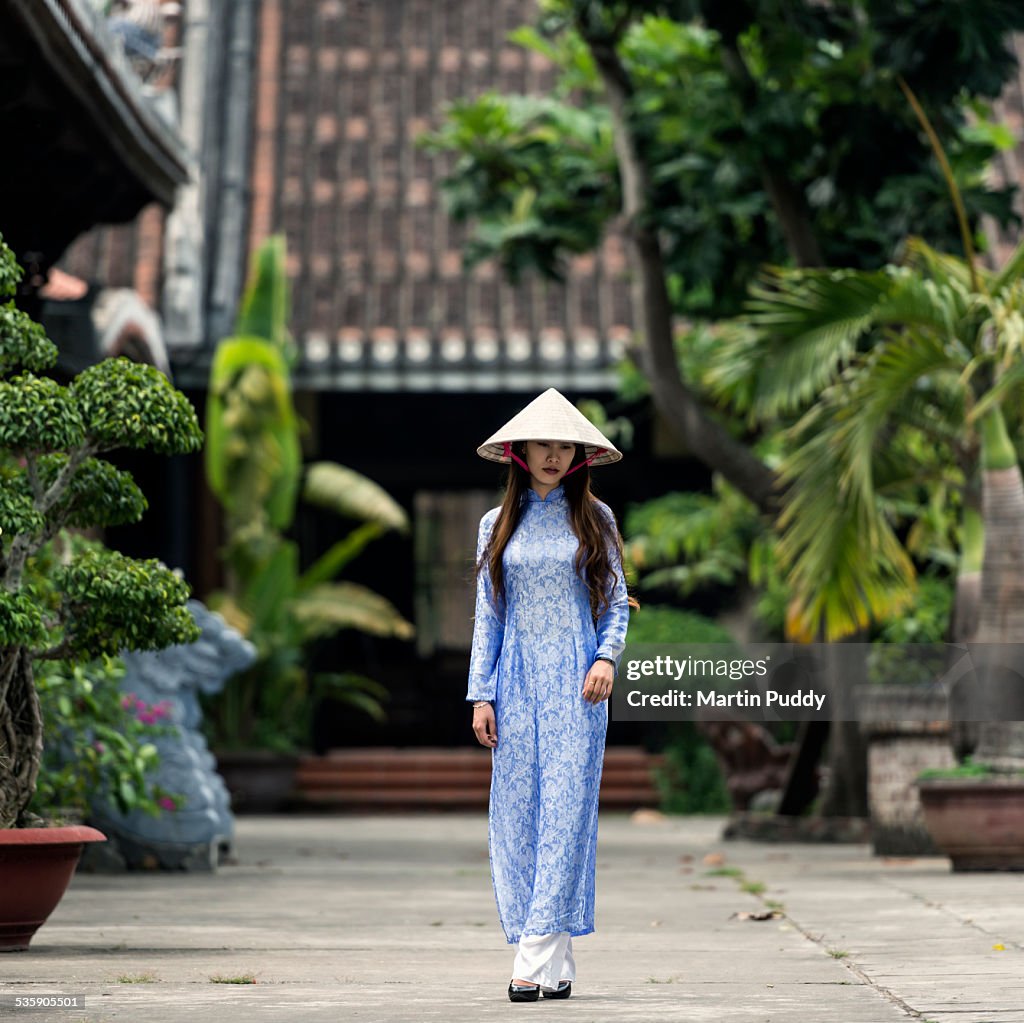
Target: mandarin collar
(554, 497)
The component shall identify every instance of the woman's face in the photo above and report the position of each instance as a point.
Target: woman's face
(549, 461)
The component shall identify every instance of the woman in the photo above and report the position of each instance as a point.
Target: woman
(550, 626)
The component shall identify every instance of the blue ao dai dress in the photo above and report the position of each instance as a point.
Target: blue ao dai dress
(531, 661)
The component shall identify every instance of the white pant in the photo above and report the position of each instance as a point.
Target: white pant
(545, 959)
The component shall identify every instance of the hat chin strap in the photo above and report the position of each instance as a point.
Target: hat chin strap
(509, 453)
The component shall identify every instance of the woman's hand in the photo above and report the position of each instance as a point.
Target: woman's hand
(597, 686)
(484, 727)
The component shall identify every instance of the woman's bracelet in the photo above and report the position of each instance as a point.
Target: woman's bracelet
(481, 703)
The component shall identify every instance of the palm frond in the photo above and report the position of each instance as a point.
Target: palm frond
(1011, 273)
(843, 561)
(916, 302)
(1009, 380)
(808, 323)
(845, 566)
(945, 269)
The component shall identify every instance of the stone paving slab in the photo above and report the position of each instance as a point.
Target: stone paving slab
(385, 919)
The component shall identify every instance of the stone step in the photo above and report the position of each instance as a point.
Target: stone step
(436, 778)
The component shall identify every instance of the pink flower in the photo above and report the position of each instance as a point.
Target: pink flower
(147, 717)
(100, 747)
(166, 803)
(127, 701)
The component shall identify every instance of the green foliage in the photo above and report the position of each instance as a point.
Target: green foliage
(900, 417)
(21, 621)
(95, 601)
(689, 542)
(114, 603)
(23, 342)
(254, 467)
(726, 98)
(927, 619)
(17, 510)
(691, 780)
(37, 414)
(264, 307)
(909, 648)
(10, 272)
(98, 494)
(968, 769)
(253, 456)
(97, 743)
(126, 404)
(655, 623)
(510, 147)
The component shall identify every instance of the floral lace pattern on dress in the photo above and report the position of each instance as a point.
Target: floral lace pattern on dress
(531, 661)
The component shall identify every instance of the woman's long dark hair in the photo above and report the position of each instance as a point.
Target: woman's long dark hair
(596, 539)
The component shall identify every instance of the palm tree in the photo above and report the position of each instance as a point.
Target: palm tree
(947, 368)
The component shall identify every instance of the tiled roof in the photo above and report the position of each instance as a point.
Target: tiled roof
(378, 283)
(380, 298)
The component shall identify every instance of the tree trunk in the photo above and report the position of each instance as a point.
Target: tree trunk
(706, 438)
(788, 200)
(846, 790)
(21, 736)
(963, 625)
(1001, 741)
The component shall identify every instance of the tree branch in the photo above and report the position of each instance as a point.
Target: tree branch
(707, 439)
(63, 480)
(787, 200)
(24, 545)
(63, 650)
(32, 469)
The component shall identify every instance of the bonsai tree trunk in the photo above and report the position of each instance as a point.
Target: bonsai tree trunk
(21, 735)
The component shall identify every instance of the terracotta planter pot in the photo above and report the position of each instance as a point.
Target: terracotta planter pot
(36, 865)
(977, 823)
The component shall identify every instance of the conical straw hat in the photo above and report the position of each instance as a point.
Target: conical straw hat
(550, 416)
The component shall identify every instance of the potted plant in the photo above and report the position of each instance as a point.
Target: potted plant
(973, 813)
(97, 743)
(254, 467)
(93, 601)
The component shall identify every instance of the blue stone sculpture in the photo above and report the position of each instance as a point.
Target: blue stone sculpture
(193, 836)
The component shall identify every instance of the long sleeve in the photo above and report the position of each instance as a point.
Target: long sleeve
(612, 624)
(488, 628)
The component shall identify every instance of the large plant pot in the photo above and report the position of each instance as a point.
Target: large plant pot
(978, 823)
(259, 781)
(36, 865)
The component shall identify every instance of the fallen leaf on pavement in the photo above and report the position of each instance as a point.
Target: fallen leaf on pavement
(763, 914)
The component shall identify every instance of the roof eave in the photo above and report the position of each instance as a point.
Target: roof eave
(85, 57)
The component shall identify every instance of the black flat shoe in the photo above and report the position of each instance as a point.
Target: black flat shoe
(520, 993)
(563, 991)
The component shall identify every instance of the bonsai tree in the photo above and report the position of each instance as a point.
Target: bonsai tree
(95, 601)
(254, 467)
